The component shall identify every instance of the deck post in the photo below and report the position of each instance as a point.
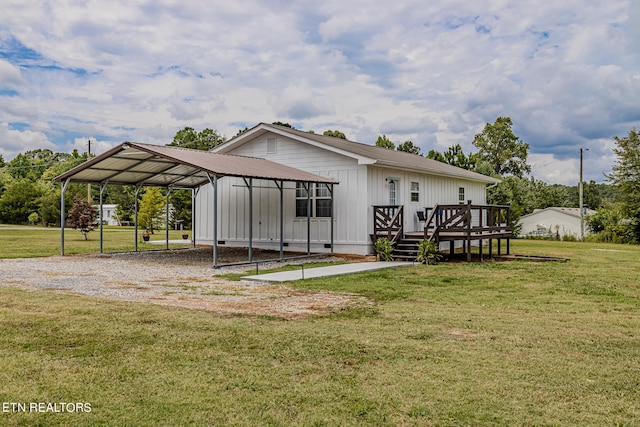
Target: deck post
(281, 188)
(249, 185)
(135, 216)
(308, 187)
(103, 185)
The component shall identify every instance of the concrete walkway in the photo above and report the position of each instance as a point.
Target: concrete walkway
(332, 270)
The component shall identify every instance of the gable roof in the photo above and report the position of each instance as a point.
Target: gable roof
(572, 212)
(363, 153)
(154, 165)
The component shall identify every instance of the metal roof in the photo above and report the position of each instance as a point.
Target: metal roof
(133, 163)
(364, 153)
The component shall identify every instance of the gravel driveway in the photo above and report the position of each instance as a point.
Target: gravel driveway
(182, 278)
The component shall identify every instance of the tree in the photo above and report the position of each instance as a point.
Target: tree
(436, 155)
(626, 176)
(385, 142)
(287, 125)
(188, 137)
(152, 207)
(82, 216)
(19, 200)
(501, 148)
(335, 134)
(409, 147)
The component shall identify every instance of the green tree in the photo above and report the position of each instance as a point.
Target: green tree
(152, 208)
(181, 202)
(385, 142)
(436, 155)
(19, 200)
(82, 216)
(625, 175)
(287, 125)
(335, 134)
(501, 148)
(409, 147)
(188, 137)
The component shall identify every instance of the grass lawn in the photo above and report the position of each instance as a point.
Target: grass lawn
(513, 343)
(28, 242)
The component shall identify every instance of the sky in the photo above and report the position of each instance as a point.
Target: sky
(566, 72)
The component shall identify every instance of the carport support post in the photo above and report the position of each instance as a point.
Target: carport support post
(103, 185)
(135, 218)
(281, 188)
(330, 187)
(194, 195)
(249, 185)
(308, 218)
(62, 214)
(166, 218)
(214, 183)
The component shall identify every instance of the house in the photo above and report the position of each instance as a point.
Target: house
(553, 222)
(109, 216)
(323, 217)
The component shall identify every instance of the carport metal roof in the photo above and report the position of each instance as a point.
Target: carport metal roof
(133, 163)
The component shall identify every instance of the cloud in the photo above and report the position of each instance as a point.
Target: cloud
(567, 73)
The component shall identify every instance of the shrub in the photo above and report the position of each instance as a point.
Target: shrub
(428, 253)
(384, 249)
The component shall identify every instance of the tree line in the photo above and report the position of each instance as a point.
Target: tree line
(29, 195)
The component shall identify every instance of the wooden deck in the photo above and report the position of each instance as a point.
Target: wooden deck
(464, 223)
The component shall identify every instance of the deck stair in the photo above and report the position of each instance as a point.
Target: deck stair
(406, 248)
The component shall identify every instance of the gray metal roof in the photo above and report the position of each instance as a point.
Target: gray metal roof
(366, 154)
(153, 165)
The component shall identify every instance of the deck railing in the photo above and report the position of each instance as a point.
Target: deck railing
(388, 221)
(470, 221)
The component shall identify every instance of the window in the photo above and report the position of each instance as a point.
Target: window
(272, 147)
(461, 194)
(320, 200)
(393, 191)
(323, 201)
(415, 191)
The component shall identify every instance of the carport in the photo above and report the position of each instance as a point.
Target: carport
(140, 165)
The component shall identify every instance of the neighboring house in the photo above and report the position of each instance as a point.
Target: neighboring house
(553, 222)
(108, 214)
(367, 176)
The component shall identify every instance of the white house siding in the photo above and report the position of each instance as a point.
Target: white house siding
(551, 221)
(433, 190)
(350, 200)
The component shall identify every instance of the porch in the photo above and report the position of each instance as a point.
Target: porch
(461, 224)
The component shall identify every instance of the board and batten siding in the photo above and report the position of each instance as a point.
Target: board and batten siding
(433, 190)
(350, 202)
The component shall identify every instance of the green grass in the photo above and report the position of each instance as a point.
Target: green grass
(27, 242)
(514, 343)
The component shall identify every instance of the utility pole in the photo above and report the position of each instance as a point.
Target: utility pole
(89, 185)
(581, 202)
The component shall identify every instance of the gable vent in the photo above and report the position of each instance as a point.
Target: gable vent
(272, 147)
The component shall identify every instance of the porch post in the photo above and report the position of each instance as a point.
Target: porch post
(62, 214)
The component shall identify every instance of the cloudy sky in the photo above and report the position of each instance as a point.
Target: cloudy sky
(566, 72)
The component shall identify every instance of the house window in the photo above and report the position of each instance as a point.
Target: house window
(461, 194)
(323, 200)
(320, 200)
(272, 147)
(393, 191)
(415, 191)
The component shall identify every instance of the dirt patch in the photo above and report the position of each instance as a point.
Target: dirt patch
(183, 278)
